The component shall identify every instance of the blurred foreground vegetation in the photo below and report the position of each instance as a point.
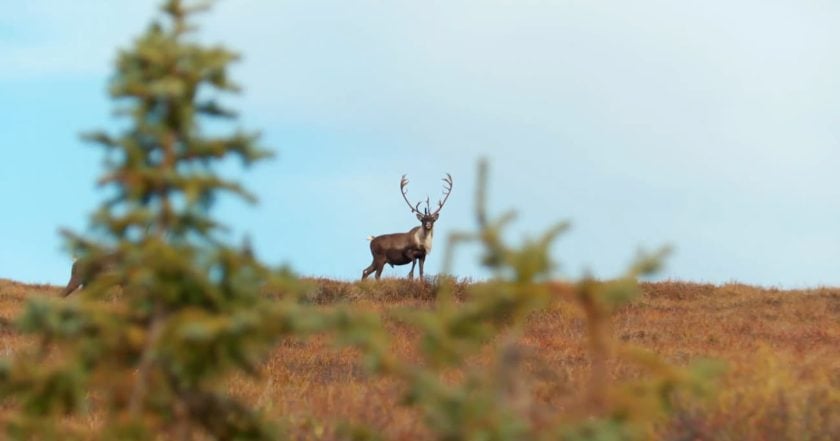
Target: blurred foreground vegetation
(781, 382)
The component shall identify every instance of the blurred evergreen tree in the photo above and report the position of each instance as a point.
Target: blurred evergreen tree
(171, 309)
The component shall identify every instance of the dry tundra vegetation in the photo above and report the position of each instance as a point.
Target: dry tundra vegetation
(779, 350)
(188, 338)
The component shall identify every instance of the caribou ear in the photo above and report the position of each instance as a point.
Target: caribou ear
(436, 216)
(420, 217)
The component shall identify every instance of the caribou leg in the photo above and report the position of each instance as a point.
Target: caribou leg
(75, 280)
(378, 264)
(366, 272)
(411, 273)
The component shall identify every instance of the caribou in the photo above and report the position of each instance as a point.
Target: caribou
(413, 246)
(85, 270)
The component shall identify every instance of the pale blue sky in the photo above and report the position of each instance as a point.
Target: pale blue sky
(713, 126)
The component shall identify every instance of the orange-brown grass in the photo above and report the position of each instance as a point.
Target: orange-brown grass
(781, 349)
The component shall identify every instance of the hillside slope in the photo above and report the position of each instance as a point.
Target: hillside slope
(780, 347)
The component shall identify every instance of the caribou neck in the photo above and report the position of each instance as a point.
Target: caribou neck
(423, 238)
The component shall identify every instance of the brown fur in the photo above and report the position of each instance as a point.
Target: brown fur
(398, 249)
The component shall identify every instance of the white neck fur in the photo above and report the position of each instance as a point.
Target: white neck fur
(424, 239)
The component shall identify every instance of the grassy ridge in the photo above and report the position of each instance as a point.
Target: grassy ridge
(781, 349)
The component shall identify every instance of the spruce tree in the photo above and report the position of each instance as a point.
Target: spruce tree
(170, 310)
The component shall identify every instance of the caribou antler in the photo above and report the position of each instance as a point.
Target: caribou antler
(414, 208)
(447, 189)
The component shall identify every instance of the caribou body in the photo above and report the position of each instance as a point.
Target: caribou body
(411, 247)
